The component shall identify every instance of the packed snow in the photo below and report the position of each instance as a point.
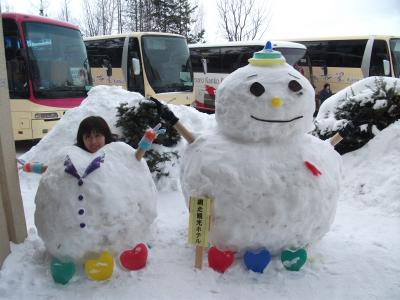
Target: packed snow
(356, 259)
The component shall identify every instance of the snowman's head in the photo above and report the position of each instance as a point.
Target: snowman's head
(264, 100)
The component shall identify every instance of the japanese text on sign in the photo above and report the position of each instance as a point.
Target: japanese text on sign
(199, 221)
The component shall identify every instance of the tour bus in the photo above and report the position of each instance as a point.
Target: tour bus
(213, 62)
(152, 64)
(47, 71)
(341, 61)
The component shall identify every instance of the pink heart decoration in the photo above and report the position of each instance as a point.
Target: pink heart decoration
(220, 261)
(134, 259)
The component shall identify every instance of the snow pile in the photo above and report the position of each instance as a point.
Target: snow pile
(372, 171)
(360, 92)
(103, 101)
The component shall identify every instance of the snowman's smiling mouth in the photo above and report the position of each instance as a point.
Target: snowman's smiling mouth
(276, 121)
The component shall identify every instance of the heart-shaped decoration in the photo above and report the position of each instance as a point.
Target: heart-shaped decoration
(101, 268)
(258, 260)
(220, 261)
(293, 260)
(62, 272)
(135, 258)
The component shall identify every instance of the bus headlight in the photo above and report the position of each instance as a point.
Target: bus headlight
(46, 116)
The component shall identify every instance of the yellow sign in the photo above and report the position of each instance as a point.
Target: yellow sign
(199, 220)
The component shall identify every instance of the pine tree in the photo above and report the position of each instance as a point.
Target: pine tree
(378, 110)
(134, 121)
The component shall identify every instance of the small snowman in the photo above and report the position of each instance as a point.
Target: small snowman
(92, 207)
(274, 186)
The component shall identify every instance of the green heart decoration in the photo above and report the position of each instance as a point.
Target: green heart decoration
(293, 260)
(62, 272)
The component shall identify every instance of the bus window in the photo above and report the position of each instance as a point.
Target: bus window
(395, 49)
(213, 58)
(57, 60)
(167, 63)
(378, 55)
(135, 82)
(15, 62)
(105, 56)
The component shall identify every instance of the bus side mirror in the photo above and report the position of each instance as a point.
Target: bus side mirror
(136, 66)
(204, 64)
(386, 67)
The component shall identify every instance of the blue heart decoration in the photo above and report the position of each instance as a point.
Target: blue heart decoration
(258, 260)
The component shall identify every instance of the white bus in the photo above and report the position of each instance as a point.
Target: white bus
(341, 61)
(213, 62)
(152, 64)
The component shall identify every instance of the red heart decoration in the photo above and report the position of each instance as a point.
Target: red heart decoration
(135, 258)
(220, 260)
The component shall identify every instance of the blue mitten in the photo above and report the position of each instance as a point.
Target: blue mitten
(149, 136)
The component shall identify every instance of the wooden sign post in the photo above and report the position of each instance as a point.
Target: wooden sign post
(199, 226)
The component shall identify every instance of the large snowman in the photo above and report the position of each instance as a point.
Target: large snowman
(274, 186)
(89, 204)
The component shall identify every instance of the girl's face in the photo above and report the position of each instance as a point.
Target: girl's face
(94, 141)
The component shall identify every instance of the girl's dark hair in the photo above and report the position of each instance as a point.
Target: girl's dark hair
(326, 85)
(93, 124)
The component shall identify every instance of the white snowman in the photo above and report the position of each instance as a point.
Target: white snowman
(274, 186)
(89, 204)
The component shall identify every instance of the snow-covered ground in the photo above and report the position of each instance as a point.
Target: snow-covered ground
(356, 259)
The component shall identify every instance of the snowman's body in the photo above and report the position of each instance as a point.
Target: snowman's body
(261, 197)
(110, 210)
(273, 185)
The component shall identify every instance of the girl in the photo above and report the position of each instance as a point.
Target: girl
(93, 133)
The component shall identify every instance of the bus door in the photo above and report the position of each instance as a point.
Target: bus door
(17, 75)
(134, 69)
(376, 60)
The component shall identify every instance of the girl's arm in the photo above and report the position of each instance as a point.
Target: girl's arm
(147, 140)
(28, 167)
(170, 117)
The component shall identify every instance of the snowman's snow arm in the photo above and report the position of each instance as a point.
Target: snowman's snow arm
(344, 132)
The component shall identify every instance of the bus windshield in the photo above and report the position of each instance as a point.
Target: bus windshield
(58, 61)
(395, 49)
(292, 55)
(167, 63)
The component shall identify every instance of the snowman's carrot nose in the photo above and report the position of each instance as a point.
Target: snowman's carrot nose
(276, 102)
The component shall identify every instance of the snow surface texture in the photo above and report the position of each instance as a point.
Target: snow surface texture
(111, 210)
(264, 196)
(356, 259)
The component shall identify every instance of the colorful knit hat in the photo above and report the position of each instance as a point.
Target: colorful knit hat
(267, 57)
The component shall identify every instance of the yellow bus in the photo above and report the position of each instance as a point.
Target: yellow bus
(152, 64)
(47, 71)
(341, 61)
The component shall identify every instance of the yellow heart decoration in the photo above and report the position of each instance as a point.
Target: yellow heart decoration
(101, 268)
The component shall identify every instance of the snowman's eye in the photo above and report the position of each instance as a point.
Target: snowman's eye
(294, 86)
(257, 89)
